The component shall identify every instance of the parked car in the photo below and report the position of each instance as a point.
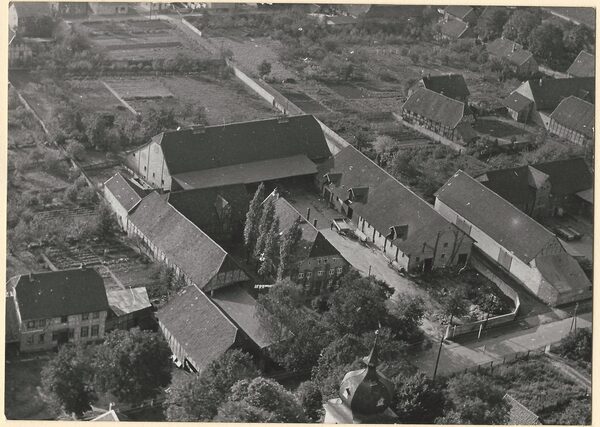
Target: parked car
(576, 233)
(341, 226)
(564, 234)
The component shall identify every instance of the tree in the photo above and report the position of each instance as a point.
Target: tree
(418, 400)
(262, 399)
(546, 43)
(520, 25)
(577, 412)
(454, 304)
(309, 396)
(97, 129)
(577, 346)
(489, 26)
(264, 68)
(106, 223)
(66, 380)
(155, 121)
(288, 247)
(270, 259)
(75, 150)
(407, 312)
(264, 225)
(576, 39)
(133, 365)
(197, 398)
(253, 218)
(474, 400)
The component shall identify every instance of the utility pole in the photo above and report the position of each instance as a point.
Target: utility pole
(437, 360)
(574, 320)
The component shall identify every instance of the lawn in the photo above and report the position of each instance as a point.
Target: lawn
(22, 399)
(498, 129)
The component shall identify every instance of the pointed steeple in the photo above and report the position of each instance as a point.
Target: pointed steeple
(372, 360)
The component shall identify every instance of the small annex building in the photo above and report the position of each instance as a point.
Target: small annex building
(123, 196)
(129, 308)
(498, 228)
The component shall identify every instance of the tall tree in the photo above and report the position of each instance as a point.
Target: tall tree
(520, 25)
(197, 398)
(489, 26)
(264, 225)
(253, 218)
(66, 380)
(270, 259)
(418, 400)
(288, 247)
(133, 365)
(546, 43)
(454, 304)
(311, 399)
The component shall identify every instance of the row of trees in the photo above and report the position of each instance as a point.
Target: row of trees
(131, 365)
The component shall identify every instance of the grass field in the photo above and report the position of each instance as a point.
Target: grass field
(139, 88)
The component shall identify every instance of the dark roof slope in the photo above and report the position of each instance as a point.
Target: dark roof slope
(124, 191)
(547, 93)
(451, 85)
(60, 293)
(436, 107)
(563, 272)
(388, 202)
(225, 145)
(583, 66)
(496, 217)
(454, 29)
(575, 114)
(512, 184)
(458, 11)
(567, 176)
(182, 242)
(513, 52)
(198, 325)
(517, 102)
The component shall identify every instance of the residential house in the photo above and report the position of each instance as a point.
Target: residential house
(23, 15)
(517, 243)
(583, 66)
(573, 120)
(110, 8)
(19, 52)
(460, 13)
(451, 85)
(440, 114)
(123, 195)
(545, 95)
(129, 308)
(455, 30)
(521, 60)
(318, 263)
(238, 153)
(543, 189)
(56, 307)
(411, 234)
(219, 212)
(519, 414)
(172, 238)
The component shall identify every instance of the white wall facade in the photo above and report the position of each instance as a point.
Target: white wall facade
(149, 163)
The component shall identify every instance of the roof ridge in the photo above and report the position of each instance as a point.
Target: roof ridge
(575, 97)
(296, 210)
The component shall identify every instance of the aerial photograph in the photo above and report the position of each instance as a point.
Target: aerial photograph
(299, 213)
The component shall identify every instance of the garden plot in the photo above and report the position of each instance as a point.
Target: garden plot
(131, 89)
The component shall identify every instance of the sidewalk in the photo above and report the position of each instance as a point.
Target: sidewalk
(456, 357)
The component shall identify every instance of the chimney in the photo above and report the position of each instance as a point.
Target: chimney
(315, 223)
(514, 47)
(307, 214)
(110, 406)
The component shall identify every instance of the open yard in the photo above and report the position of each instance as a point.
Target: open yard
(495, 128)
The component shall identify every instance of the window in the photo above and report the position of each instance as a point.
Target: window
(153, 175)
(84, 331)
(443, 256)
(31, 324)
(332, 271)
(320, 273)
(308, 274)
(144, 168)
(30, 339)
(95, 330)
(300, 275)
(85, 316)
(339, 270)
(319, 261)
(41, 338)
(64, 319)
(96, 315)
(446, 244)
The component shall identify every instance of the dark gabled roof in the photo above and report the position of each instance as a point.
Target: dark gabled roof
(563, 272)
(247, 173)
(125, 301)
(547, 93)
(458, 11)
(517, 102)
(496, 217)
(240, 307)
(436, 107)
(232, 144)
(198, 325)
(453, 28)
(583, 66)
(513, 52)
(202, 206)
(519, 414)
(29, 9)
(512, 184)
(60, 293)
(567, 176)
(182, 242)
(389, 203)
(575, 114)
(451, 85)
(126, 193)
(313, 243)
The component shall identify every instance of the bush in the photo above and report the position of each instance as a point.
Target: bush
(577, 346)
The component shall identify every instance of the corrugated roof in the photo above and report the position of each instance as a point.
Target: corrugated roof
(519, 414)
(575, 114)
(237, 143)
(547, 93)
(60, 293)
(517, 102)
(495, 216)
(509, 50)
(183, 243)
(241, 308)
(583, 66)
(436, 107)
(123, 191)
(247, 173)
(198, 325)
(451, 85)
(125, 301)
(563, 272)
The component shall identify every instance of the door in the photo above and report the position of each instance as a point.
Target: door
(462, 259)
(427, 265)
(63, 337)
(350, 212)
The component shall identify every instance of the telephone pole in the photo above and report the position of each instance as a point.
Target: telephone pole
(437, 360)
